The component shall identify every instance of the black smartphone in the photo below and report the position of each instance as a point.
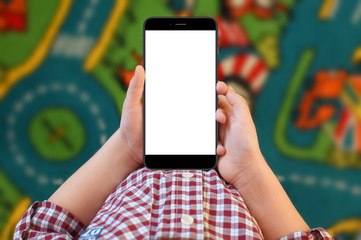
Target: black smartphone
(180, 99)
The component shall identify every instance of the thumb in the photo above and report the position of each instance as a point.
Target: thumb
(136, 86)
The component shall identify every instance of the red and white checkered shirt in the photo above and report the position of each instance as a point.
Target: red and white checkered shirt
(157, 205)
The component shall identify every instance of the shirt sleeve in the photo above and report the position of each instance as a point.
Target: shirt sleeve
(314, 234)
(46, 220)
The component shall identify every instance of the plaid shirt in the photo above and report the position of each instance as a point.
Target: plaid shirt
(157, 205)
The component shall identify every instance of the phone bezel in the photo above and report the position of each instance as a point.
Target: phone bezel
(168, 162)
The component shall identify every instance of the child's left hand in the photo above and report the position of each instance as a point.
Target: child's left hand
(131, 123)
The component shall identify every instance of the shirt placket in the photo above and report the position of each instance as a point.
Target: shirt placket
(189, 214)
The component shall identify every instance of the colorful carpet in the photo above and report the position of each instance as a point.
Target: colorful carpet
(65, 66)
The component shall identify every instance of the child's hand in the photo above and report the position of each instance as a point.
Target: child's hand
(131, 123)
(242, 165)
(238, 148)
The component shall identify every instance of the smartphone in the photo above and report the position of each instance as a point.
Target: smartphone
(180, 99)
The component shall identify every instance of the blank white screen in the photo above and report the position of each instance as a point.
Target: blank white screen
(180, 97)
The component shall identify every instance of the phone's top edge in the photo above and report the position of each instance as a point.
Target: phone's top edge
(169, 23)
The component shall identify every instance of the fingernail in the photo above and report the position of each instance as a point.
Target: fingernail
(218, 83)
(136, 69)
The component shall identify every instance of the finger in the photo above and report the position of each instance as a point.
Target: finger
(221, 149)
(136, 86)
(221, 116)
(221, 88)
(223, 103)
(226, 107)
(231, 96)
(237, 102)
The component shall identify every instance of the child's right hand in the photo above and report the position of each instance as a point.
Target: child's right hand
(242, 165)
(238, 149)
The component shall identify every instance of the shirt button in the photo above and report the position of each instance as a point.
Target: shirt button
(187, 220)
(187, 174)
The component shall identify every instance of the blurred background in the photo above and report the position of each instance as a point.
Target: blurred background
(65, 66)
